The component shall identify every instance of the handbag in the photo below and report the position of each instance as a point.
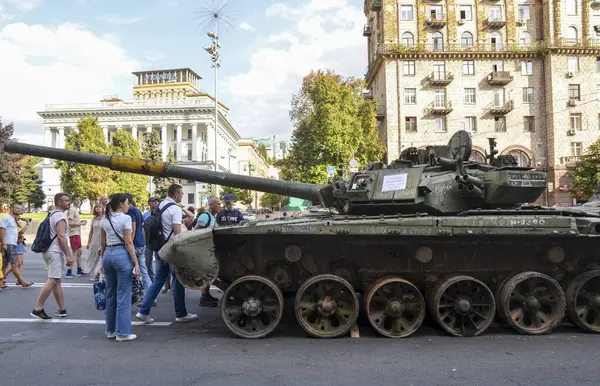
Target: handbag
(100, 295)
(137, 286)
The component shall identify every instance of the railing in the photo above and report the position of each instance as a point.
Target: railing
(503, 108)
(399, 49)
(126, 105)
(366, 30)
(500, 77)
(375, 5)
(440, 77)
(573, 159)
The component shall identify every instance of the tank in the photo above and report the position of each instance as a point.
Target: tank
(431, 234)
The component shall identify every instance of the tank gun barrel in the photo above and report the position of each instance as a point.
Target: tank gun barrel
(301, 190)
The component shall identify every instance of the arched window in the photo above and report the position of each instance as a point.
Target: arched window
(438, 41)
(521, 157)
(408, 39)
(466, 39)
(525, 38)
(496, 40)
(571, 34)
(476, 156)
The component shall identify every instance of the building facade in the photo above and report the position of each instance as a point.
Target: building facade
(526, 72)
(275, 149)
(168, 102)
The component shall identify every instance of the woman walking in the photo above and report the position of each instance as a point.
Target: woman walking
(118, 262)
(94, 257)
(22, 225)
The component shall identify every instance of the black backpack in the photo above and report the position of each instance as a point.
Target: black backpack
(155, 239)
(42, 237)
(195, 222)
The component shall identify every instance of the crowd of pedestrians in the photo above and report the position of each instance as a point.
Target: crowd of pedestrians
(117, 252)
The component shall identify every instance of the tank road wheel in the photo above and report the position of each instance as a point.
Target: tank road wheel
(394, 307)
(326, 306)
(532, 303)
(252, 306)
(583, 301)
(463, 306)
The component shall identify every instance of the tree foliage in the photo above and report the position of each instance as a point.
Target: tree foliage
(274, 201)
(9, 165)
(587, 174)
(29, 191)
(87, 181)
(241, 195)
(262, 150)
(161, 185)
(123, 143)
(332, 123)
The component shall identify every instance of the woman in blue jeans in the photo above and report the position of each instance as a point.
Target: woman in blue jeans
(118, 263)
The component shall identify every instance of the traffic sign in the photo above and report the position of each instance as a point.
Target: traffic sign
(330, 171)
(353, 163)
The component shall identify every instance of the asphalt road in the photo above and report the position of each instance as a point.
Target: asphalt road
(76, 352)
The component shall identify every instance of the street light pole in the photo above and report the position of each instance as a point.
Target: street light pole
(250, 169)
(214, 51)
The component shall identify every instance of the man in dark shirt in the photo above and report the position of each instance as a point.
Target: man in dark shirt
(229, 216)
(139, 241)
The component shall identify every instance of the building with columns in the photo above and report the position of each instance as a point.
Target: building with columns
(168, 102)
(526, 72)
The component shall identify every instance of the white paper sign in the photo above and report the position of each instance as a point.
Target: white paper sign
(394, 182)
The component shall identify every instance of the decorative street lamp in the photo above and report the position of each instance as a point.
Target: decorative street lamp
(215, 57)
(250, 168)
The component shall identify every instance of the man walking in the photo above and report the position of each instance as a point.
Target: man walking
(75, 224)
(208, 220)
(171, 223)
(139, 241)
(149, 253)
(54, 258)
(8, 241)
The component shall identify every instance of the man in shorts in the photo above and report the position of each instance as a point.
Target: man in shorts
(75, 224)
(55, 258)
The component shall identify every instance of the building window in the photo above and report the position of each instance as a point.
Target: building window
(598, 64)
(574, 92)
(438, 41)
(440, 125)
(409, 67)
(526, 67)
(469, 96)
(469, 67)
(466, 39)
(406, 12)
(440, 98)
(466, 12)
(439, 70)
(571, 35)
(571, 7)
(573, 63)
(576, 122)
(189, 134)
(410, 96)
(477, 157)
(529, 124)
(408, 39)
(174, 152)
(527, 94)
(471, 124)
(174, 134)
(576, 149)
(436, 12)
(524, 12)
(525, 39)
(494, 12)
(500, 124)
(411, 124)
(522, 158)
(189, 153)
(497, 65)
(191, 199)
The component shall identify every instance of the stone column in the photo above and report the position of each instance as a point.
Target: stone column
(134, 132)
(61, 137)
(179, 147)
(195, 144)
(164, 139)
(105, 131)
(47, 141)
(210, 142)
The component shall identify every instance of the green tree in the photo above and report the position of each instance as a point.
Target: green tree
(332, 123)
(123, 143)
(88, 181)
(242, 195)
(151, 150)
(9, 165)
(262, 150)
(273, 201)
(30, 190)
(587, 174)
(161, 185)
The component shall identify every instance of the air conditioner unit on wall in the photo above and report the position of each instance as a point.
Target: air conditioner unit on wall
(571, 132)
(570, 74)
(460, 22)
(521, 22)
(572, 102)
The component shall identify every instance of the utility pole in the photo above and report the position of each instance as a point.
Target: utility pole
(215, 57)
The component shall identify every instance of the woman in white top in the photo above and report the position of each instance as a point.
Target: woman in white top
(118, 262)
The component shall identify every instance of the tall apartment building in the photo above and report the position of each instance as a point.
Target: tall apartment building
(526, 72)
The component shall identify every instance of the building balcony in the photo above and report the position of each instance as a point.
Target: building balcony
(436, 23)
(376, 5)
(459, 48)
(570, 161)
(440, 78)
(367, 30)
(380, 113)
(499, 78)
(501, 109)
(368, 95)
(495, 22)
(439, 108)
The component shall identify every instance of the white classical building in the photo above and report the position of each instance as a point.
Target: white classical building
(166, 101)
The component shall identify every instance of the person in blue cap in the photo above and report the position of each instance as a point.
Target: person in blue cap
(229, 216)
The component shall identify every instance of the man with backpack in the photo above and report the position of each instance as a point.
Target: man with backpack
(208, 220)
(51, 241)
(164, 223)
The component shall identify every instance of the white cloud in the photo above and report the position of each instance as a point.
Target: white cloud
(24, 5)
(5, 16)
(321, 34)
(121, 20)
(65, 64)
(247, 27)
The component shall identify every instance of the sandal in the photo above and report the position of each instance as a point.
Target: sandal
(28, 284)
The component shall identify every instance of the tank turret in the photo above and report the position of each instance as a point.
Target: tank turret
(440, 180)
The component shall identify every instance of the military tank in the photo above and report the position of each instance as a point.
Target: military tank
(432, 232)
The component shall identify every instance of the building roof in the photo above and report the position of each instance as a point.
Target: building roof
(167, 70)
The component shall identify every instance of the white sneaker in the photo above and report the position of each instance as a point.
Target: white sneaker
(144, 318)
(111, 335)
(126, 338)
(187, 318)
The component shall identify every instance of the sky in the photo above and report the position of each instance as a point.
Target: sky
(77, 51)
